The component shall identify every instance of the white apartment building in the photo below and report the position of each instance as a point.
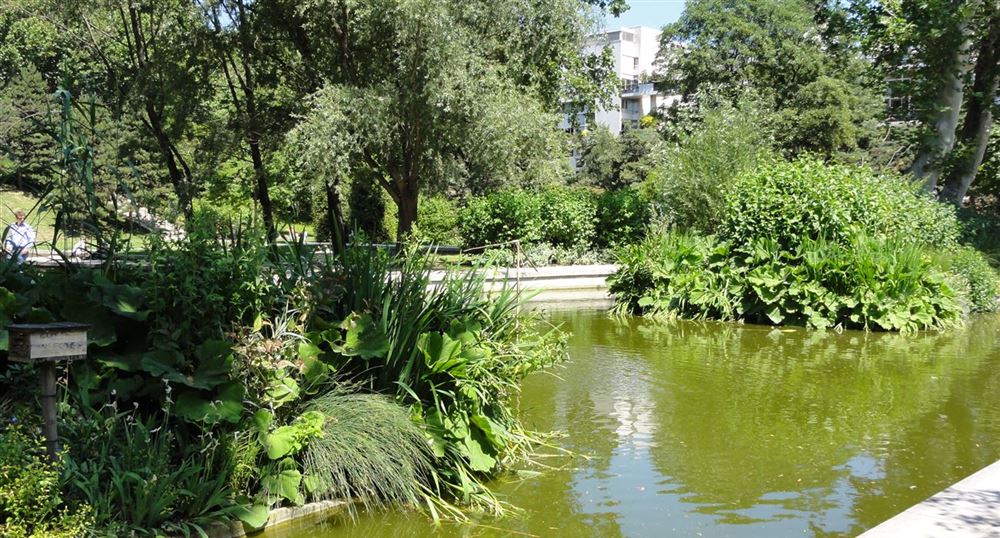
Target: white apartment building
(634, 50)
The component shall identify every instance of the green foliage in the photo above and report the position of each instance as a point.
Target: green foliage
(369, 450)
(622, 218)
(689, 189)
(290, 438)
(797, 56)
(614, 163)
(437, 221)
(867, 283)
(218, 271)
(827, 116)
(139, 477)
(31, 503)
(454, 354)
(568, 217)
(571, 219)
(366, 209)
(974, 275)
(788, 202)
(502, 216)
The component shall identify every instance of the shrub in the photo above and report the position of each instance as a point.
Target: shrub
(868, 283)
(453, 354)
(367, 208)
(31, 502)
(568, 216)
(622, 218)
(140, 477)
(437, 221)
(975, 274)
(691, 185)
(789, 202)
(502, 216)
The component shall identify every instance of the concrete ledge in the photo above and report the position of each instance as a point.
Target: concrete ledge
(968, 509)
(278, 517)
(556, 284)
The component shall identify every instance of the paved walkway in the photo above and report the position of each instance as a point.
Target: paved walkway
(969, 509)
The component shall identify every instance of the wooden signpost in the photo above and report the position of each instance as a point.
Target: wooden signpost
(45, 344)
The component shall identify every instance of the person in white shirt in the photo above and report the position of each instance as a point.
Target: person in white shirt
(19, 237)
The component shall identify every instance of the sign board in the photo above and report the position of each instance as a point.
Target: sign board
(37, 342)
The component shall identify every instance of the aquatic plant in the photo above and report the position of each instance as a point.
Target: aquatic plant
(369, 451)
(869, 283)
(453, 353)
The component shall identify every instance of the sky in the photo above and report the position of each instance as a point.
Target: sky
(653, 13)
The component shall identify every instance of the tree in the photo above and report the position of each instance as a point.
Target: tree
(26, 149)
(242, 34)
(425, 94)
(152, 55)
(974, 135)
(826, 116)
(794, 54)
(933, 48)
(614, 163)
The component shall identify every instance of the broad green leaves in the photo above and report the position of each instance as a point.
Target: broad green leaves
(362, 338)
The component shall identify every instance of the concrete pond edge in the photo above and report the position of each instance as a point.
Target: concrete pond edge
(278, 517)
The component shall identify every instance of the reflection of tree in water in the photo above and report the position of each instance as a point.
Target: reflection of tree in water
(750, 411)
(941, 445)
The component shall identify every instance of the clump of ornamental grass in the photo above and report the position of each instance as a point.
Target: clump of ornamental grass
(370, 451)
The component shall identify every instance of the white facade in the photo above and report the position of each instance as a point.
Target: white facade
(634, 50)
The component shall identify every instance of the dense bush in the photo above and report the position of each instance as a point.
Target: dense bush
(615, 162)
(31, 503)
(791, 201)
(571, 219)
(622, 218)
(691, 184)
(568, 217)
(973, 275)
(808, 243)
(868, 283)
(367, 208)
(437, 221)
(506, 215)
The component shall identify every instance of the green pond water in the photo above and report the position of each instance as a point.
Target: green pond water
(711, 429)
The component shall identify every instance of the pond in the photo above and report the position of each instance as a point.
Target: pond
(713, 429)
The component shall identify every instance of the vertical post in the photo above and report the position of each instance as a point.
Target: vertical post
(48, 386)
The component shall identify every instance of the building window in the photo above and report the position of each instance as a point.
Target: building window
(628, 36)
(635, 64)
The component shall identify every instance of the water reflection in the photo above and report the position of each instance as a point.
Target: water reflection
(723, 430)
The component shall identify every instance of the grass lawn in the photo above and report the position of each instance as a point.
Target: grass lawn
(42, 221)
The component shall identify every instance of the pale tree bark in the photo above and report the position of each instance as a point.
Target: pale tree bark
(975, 133)
(947, 107)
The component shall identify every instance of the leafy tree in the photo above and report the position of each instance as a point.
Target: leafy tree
(974, 135)
(427, 94)
(26, 149)
(150, 57)
(613, 163)
(600, 156)
(826, 116)
(936, 50)
(791, 53)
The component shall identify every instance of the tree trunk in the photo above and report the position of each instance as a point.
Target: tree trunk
(180, 176)
(407, 206)
(180, 181)
(975, 133)
(944, 118)
(261, 191)
(334, 216)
